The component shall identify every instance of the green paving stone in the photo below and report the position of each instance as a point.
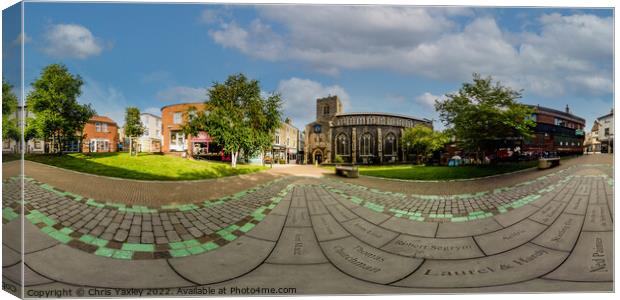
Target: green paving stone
(246, 227)
(48, 229)
(122, 254)
(104, 252)
(66, 230)
(87, 238)
(179, 252)
(99, 242)
(138, 247)
(61, 237)
(177, 245)
(191, 243)
(196, 250)
(229, 237)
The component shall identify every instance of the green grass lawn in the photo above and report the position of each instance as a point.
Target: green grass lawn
(145, 166)
(417, 172)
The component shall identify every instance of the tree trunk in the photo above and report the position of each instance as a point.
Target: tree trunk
(130, 146)
(233, 159)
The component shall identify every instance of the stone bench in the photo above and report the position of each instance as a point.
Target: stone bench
(347, 171)
(546, 163)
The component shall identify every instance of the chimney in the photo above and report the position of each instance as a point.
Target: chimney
(567, 109)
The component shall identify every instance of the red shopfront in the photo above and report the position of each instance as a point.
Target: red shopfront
(203, 147)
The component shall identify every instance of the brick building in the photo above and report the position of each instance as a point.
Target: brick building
(556, 131)
(100, 135)
(172, 118)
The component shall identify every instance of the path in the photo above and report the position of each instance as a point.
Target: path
(319, 235)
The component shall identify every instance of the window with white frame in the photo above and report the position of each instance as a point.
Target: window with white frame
(177, 118)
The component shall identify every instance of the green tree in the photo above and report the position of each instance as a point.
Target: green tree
(238, 117)
(53, 99)
(483, 113)
(423, 141)
(10, 129)
(133, 127)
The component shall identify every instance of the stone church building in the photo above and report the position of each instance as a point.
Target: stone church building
(359, 138)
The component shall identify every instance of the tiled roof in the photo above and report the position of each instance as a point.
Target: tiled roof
(103, 119)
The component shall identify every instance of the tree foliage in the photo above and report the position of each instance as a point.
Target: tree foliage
(53, 99)
(423, 141)
(484, 112)
(133, 127)
(10, 129)
(237, 117)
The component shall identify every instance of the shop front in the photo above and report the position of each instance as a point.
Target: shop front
(203, 147)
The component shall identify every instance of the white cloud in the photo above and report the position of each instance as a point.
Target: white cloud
(71, 40)
(299, 98)
(182, 94)
(22, 37)
(106, 100)
(566, 54)
(427, 99)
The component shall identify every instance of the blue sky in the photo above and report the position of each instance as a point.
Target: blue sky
(376, 58)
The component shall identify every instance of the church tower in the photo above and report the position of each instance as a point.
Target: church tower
(328, 107)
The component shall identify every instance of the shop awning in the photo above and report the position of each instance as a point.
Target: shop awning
(202, 137)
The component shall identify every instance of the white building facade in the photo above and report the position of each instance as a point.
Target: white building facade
(151, 140)
(606, 132)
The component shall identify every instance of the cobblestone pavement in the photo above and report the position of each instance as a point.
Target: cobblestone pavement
(316, 234)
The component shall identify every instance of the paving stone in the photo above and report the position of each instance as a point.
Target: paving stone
(369, 215)
(470, 228)
(327, 228)
(268, 229)
(562, 234)
(416, 228)
(509, 237)
(368, 263)
(297, 245)
(598, 218)
(431, 248)
(121, 235)
(515, 215)
(298, 217)
(549, 212)
(232, 260)
(87, 269)
(591, 260)
(341, 213)
(368, 232)
(524, 263)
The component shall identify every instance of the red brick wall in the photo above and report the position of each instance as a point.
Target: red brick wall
(167, 121)
(90, 130)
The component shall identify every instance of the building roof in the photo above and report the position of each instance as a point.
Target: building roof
(607, 115)
(150, 114)
(102, 119)
(557, 112)
(383, 114)
(185, 103)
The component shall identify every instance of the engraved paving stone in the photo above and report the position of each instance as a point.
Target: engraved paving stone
(515, 215)
(341, 213)
(577, 205)
(269, 228)
(368, 232)
(591, 260)
(470, 228)
(598, 218)
(363, 261)
(510, 237)
(526, 262)
(417, 228)
(548, 213)
(446, 248)
(298, 217)
(563, 234)
(369, 215)
(327, 228)
(297, 246)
